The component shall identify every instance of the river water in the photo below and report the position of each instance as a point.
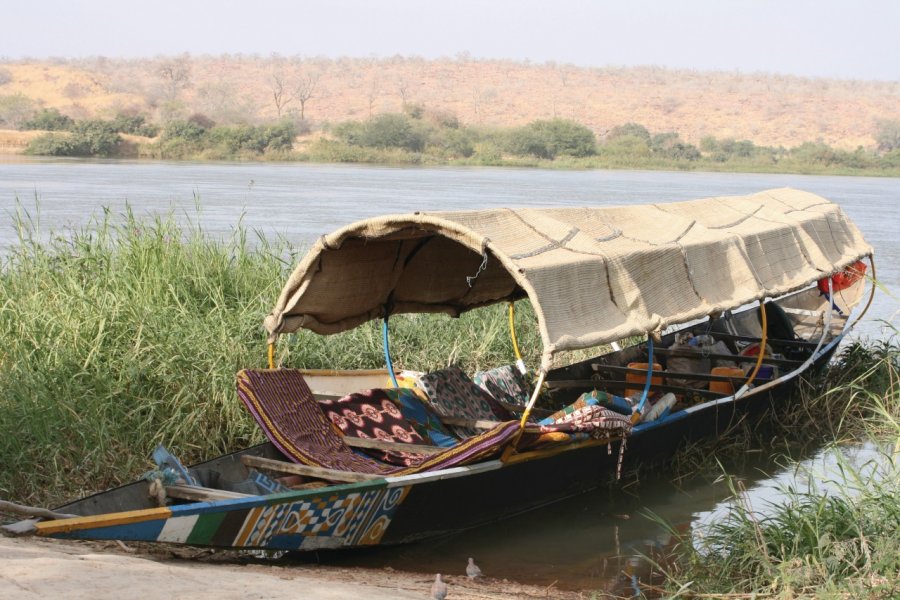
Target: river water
(587, 542)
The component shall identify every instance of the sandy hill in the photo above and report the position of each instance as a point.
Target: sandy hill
(765, 108)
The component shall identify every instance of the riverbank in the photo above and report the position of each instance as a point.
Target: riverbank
(38, 568)
(483, 150)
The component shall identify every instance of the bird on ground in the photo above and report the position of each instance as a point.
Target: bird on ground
(438, 588)
(472, 570)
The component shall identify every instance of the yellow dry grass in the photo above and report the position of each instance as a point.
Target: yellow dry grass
(768, 109)
(14, 142)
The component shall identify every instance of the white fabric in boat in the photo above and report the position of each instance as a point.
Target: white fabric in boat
(593, 275)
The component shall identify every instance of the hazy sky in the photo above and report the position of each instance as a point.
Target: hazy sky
(857, 39)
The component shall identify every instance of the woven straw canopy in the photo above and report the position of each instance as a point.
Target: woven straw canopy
(593, 275)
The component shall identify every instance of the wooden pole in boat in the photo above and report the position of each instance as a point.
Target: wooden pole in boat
(31, 511)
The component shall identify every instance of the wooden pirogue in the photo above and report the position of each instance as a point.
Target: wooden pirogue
(760, 287)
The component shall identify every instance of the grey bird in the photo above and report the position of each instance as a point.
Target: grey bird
(472, 570)
(438, 588)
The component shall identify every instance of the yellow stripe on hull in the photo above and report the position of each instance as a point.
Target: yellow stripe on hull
(107, 520)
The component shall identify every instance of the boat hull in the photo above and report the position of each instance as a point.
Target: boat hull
(395, 510)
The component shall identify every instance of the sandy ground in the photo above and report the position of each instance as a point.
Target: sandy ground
(32, 568)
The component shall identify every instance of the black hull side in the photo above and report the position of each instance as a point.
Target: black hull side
(451, 505)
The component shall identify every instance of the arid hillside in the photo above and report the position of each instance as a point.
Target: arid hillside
(764, 108)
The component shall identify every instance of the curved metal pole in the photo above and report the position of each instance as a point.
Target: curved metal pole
(760, 355)
(520, 364)
(533, 399)
(387, 352)
(826, 329)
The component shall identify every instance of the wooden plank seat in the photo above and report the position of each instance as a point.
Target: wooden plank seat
(357, 442)
(197, 493)
(289, 468)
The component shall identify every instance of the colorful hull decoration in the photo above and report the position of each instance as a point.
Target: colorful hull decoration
(347, 515)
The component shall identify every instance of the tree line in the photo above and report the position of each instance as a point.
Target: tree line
(420, 136)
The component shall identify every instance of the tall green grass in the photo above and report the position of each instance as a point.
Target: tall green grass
(128, 333)
(838, 538)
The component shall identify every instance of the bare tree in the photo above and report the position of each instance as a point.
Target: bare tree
(373, 92)
(305, 90)
(281, 95)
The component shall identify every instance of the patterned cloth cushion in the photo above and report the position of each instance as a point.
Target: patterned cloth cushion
(283, 405)
(453, 394)
(587, 416)
(372, 414)
(504, 383)
(421, 416)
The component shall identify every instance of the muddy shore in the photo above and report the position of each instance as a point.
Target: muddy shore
(33, 568)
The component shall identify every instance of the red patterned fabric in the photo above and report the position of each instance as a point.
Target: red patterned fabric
(371, 414)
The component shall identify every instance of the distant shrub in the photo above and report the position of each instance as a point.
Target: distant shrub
(671, 146)
(816, 153)
(548, 139)
(727, 149)
(183, 130)
(201, 120)
(52, 144)
(528, 141)
(629, 130)
(454, 143)
(87, 138)
(244, 139)
(49, 119)
(384, 131)
(5, 76)
(134, 125)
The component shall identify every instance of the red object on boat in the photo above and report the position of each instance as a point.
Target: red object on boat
(844, 279)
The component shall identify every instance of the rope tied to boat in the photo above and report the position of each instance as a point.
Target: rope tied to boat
(470, 279)
(158, 479)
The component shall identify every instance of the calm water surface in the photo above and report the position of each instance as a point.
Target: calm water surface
(587, 542)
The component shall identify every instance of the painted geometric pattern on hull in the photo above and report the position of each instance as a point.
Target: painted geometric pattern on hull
(356, 519)
(354, 515)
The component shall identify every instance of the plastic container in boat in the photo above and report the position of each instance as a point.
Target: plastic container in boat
(658, 408)
(619, 405)
(640, 379)
(725, 387)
